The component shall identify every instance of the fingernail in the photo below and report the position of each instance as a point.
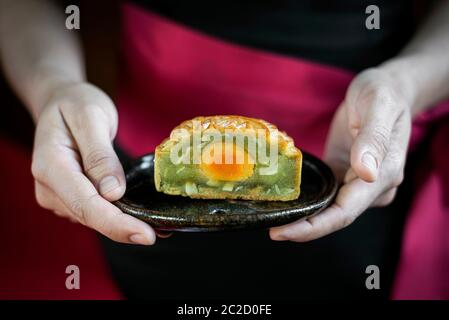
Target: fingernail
(107, 184)
(140, 238)
(369, 161)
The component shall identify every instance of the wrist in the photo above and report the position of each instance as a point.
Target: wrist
(45, 84)
(422, 76)
(49, 90)
(397, 70)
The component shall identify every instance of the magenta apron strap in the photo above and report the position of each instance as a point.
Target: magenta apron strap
(424, 262)
(174, 73)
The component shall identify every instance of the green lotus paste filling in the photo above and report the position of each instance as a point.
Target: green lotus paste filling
(189, 178)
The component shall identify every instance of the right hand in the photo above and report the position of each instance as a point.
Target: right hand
(75, 168)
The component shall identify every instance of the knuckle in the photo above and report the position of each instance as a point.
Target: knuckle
(97, 160)
(108, 228)
(380, 139)
(388, 101)
(383, 95)
(363, 81)
(393, 173)
(108, 111)
(397, 181)
(387, 198)
(347, 220)
(97, 111)
(80, 209)
(382, 202)
(77, 207)
(41, 200)
(103, 111)
(388, 98)
(38, 170)
(378, 94)
(46, 163)
(109, 231)
(60, 213)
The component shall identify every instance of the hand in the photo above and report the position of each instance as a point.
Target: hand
(366, 148)
(75, 168)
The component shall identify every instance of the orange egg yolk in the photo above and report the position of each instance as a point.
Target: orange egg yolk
(240, 168)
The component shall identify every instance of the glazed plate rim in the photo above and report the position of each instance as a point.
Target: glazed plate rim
(222, 218)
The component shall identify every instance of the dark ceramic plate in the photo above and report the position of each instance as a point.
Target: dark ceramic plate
(177, 213)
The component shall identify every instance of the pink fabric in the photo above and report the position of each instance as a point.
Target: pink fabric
(423, 271)
(173, 73)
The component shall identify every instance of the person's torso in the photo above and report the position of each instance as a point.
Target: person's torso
(327, 31)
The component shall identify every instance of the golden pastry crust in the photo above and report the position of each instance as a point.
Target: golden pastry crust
(240, 123)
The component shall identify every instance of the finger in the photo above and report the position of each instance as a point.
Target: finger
(337, 143)
(90, 127)
(43, 193)
(352, 199)
(88, 207)
(47, 199)
(392, 171)
(386, 198)
(373, 138)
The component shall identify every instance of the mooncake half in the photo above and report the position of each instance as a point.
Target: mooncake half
(228, 157)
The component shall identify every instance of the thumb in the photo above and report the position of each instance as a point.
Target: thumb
(103, 168)
(99, 160)
(371, 146)
(373, 111)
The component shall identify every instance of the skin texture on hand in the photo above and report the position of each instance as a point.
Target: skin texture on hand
(76, 170)
(366, 148)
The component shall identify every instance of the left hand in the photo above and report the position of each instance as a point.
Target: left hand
(366, 148)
